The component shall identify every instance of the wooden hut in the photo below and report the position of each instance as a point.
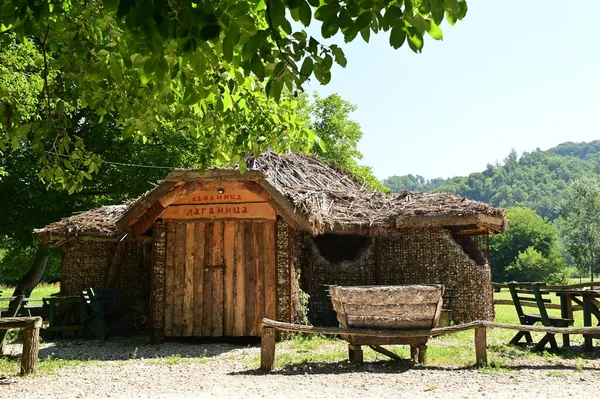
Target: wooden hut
(227, 247)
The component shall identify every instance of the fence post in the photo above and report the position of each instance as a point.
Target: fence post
(267, 348)
(481, 346)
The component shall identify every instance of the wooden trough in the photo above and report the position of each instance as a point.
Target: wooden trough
(397, 307)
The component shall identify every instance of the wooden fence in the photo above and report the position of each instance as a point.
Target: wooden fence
(267, 355)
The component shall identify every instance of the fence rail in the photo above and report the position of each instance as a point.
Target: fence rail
(480, 337)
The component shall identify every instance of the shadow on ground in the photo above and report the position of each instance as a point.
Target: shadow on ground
(138, 347)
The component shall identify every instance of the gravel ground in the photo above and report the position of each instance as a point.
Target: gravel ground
(228, 371)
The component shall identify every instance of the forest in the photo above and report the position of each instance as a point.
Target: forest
(552, 204)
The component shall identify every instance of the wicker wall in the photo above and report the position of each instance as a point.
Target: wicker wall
(157, 295)
(416, 256)
(85, 264)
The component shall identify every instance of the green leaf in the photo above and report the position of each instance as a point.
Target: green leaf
(257, 66)
(344, 19)
(115, 69)
(451, 18)
(322, 76)
(209, 32)
(363, 20)
(247, 23)
(314, 3)
(329, 28)
(307, 67)
(415, 40)
(435, 31)
(233, 34)
(397, 36)
(227, 50)
(340, 57)
(293, 3)
(463, 10)
(327, 12)
(366, 34)
(305, 13)
(327, 63)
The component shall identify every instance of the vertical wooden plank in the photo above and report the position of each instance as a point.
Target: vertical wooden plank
(259, 276)
(217, 281)
(207, 297)
(270, 285)
(169, 277)
(199, 262)
(239, 295)
(249, 279)
(228, 270)
(188, 281)
(179, 259)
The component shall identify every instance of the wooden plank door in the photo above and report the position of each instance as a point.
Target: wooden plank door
(220, 278)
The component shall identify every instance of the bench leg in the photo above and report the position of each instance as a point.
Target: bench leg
(414, 353)
(355, 354)
(422, 354)
(548, 338)
(515, 340)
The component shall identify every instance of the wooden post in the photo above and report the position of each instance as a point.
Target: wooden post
(414, 353)
(29, 357)
(422, 354)
(267, 349)
(13, 309)
(355, 354)
(481, 346)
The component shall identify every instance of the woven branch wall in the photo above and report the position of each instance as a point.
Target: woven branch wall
(85, 264)
(416, 256)
(157, 296)
(316, 272)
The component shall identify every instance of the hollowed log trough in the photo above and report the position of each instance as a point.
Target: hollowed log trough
(397, 307)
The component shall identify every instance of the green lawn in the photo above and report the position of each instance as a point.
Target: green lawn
(43, 290)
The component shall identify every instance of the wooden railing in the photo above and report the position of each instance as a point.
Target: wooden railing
(267, 354)
(31, 334)
(555, 287)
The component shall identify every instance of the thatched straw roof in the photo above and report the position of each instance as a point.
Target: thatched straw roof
(312, 194)
(332, 200)
(99, 222)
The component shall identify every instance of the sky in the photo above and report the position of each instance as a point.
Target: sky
(513, 74)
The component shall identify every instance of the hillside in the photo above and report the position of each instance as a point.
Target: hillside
(535, 180)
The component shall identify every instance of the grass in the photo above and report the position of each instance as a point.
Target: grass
(42, 290)
(304, 352)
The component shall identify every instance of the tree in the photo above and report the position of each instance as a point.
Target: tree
(528, 250)
(338, 136)
(581, 227)
(215, 71)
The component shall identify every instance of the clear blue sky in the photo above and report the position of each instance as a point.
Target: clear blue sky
(512, 74)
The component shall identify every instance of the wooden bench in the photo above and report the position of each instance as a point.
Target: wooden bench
(526, 294)
(31, 334)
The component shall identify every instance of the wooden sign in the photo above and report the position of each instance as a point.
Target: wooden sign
(214, 197)
(256, 210)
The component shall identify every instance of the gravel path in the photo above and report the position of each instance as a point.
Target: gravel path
(227, 371)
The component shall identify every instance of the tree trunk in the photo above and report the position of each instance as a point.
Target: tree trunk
(114, 270)
(28, 282)
(34, 275)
